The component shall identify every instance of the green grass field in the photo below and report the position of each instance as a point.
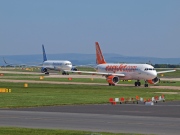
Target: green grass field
(21, 69)
(51, 95)
(61, 94)
(25, 75)
(175, 74)
(28, 131)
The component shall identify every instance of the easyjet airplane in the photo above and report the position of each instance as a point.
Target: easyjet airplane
(115, 72)
(58, 65)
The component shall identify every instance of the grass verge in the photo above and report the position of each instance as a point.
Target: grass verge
(28, 131)
(52, 94)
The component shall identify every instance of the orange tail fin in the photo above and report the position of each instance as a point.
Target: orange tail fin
(99, 56)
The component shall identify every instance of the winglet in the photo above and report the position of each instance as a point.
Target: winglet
(44, 54)
(99, 56)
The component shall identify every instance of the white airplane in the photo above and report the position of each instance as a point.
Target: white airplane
(58, 65)
(12, 64)
(115, 72)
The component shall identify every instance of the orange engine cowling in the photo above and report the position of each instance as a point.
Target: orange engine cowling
(153, 81)
(112, 79)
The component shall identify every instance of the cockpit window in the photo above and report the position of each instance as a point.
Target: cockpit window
(68, 64)
(149, 69)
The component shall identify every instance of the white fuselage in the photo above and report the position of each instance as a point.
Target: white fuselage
(131, 71)
(57, 65)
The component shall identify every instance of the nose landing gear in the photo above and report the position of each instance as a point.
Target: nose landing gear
(111, 84)
(47, 73)
(138, 83)
(146, 84)
(65, 73)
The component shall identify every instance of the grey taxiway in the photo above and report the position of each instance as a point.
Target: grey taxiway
(161, 119)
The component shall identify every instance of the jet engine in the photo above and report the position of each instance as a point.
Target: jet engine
(153, 81)
(112, 80)
(43, 70)
(74, 69)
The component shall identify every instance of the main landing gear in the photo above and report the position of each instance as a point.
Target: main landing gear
(138, 83)
(65, 73)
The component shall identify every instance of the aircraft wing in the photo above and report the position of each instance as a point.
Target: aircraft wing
(86, 66)
(95, 73)
(160, 72)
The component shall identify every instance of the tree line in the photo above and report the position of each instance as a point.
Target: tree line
(166, 66)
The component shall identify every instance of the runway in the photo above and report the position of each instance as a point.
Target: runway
(161, 119)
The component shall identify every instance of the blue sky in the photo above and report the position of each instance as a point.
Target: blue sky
(127, 27)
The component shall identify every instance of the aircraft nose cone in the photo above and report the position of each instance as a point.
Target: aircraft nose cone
(154, 74)
(70, 67)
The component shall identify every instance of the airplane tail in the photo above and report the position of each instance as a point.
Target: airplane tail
(4, 61)
(99, 56)
(44, 54)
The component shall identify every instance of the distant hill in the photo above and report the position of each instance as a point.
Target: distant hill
(78, 59)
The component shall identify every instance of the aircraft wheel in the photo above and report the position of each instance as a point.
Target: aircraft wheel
(135, 84)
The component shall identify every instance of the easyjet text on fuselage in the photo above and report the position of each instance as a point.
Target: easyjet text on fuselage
(121, 67)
